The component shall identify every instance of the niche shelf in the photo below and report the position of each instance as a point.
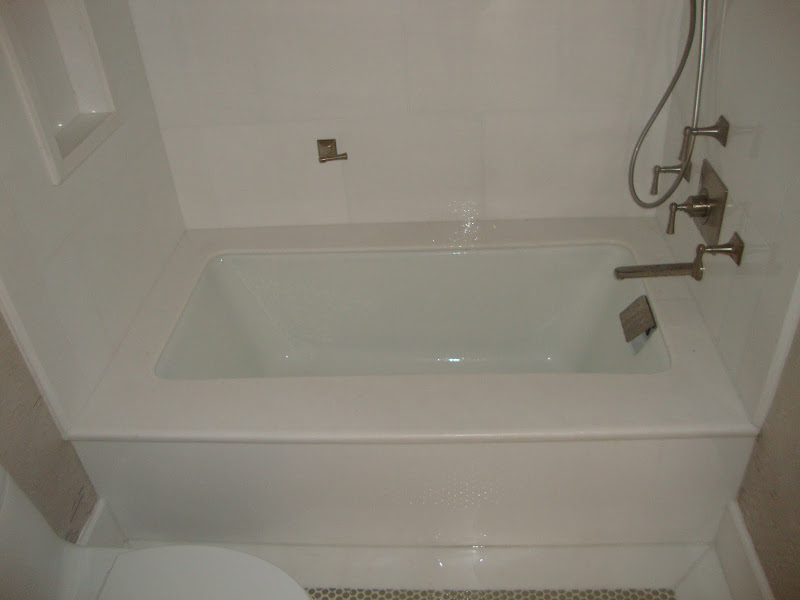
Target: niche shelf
(53, 57)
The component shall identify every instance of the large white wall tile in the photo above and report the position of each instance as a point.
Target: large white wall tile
(77, 310)
(189, 164)
(478, 55)
(243, 169)
(135, 232)
(747, 284)
(595, 68)
(321, 60)
(202, 61)
(253, 174)
(555, 163)
(414, 169)
(244, 62)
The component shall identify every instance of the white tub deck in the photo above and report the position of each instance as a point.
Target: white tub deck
(693, 397)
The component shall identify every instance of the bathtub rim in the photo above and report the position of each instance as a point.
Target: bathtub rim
(131, 402)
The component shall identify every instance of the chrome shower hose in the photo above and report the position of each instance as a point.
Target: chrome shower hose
(684, 57)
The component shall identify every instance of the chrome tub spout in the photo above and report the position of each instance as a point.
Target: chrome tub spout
(668, 270)
(734, 248)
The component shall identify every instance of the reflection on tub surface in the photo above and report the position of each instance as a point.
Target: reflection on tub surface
(519, 310)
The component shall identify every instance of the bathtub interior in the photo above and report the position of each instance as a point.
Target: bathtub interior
(509, 310)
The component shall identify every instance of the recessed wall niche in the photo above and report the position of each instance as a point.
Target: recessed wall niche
(58, 73)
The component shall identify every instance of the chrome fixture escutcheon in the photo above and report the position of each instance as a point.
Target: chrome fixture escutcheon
(327, 151)
(707, 208)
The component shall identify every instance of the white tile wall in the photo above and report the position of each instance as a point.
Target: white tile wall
(421, 167)
(481, 56)
(256, 172)
(592, 67)
(555, 164)
(77, 259)
(77, 311)
(500, 108)
(751, 79)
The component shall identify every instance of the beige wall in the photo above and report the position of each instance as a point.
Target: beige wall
(44, 466)
(770, 494)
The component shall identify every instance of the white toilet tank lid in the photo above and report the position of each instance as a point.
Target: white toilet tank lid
(196, 573)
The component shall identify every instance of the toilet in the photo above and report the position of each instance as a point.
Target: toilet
(196, 573)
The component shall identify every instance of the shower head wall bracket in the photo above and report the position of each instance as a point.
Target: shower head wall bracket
(719, 131)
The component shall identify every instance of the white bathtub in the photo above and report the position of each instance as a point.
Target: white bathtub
(540, 309)
(503, 409)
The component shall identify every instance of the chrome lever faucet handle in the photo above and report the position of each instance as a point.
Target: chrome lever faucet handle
(673, 210)
(734, 248)
(677, 169)
(694, 206)
(654, 185)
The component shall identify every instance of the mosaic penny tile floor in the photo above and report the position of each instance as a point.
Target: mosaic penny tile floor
(372, 594)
